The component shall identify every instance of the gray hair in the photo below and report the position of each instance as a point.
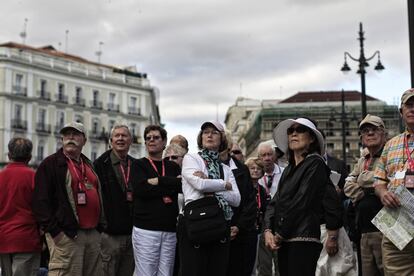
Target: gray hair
(120, 125)
(175, 149)
(20, 149)
(265, 144)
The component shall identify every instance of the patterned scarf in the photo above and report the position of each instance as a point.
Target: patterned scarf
(212, 161)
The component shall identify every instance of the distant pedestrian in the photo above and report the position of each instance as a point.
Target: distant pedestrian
(20, 243)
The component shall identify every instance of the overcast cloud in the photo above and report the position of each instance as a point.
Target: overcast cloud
(202, 55)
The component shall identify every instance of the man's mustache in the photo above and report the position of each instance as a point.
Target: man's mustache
(68, 142)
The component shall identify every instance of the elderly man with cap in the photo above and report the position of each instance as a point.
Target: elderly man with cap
(395, 167)
(68, 207)
(359, 188)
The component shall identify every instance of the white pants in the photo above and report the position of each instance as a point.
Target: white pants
(154, 252)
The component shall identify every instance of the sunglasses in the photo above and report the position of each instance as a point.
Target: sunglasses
(174, 157)
(297, 129)
(153, 137)
(367, 129)
(236, 152)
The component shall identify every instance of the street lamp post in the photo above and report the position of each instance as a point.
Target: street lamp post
(362, 63)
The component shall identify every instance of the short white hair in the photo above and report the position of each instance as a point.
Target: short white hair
(266, 144)
(120, 125)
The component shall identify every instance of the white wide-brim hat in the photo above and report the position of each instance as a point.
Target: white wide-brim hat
(281, 138)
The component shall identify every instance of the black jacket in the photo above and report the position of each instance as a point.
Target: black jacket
(51, 202)
(304, 197)
(118, 211)
(244, 216)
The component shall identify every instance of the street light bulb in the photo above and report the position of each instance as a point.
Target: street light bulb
(379, 67)
(345, 68)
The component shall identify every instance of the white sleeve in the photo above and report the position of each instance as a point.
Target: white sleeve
(191, 165)
(233, 196)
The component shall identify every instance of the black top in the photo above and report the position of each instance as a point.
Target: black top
(301, 202)
(244, 216)
(118, 211)
(155, 206)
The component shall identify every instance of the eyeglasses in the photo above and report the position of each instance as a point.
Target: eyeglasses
(174, 157)
(297, 129)
(236, 152)
(152, 137)
(212, 132)
(368, 129)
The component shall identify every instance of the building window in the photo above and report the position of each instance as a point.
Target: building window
(18, 110)
(18, 87)
(111, 125)
(95, 126)
(61, 97)
(40, 152)
(60, 120)
(42, 116)
(133, 108)
(78, 96)
(94, 153)
(43, 90)
(112, 98)
(95, 96)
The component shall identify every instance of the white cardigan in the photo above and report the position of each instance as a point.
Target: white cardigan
(194, 187)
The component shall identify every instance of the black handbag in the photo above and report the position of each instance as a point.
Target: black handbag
(204, 221)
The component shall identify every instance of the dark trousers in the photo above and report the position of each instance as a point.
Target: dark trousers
(298, 258)
(242, 255)
(202, 260)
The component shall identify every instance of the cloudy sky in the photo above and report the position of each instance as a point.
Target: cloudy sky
(202, 55)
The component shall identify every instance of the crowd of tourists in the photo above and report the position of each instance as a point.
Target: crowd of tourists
(291, 210)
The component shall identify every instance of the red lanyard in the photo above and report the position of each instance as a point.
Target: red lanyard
(259, 202)
(407, 151)
(75, 170)
(125, 175)
(367, 163)
(155, 167)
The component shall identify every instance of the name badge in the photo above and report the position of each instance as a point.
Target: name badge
(409, 180)
(400, 175)
(167, 199)
(129, 196)
(81, 198)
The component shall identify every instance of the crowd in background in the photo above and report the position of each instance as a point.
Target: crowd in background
(291, 210)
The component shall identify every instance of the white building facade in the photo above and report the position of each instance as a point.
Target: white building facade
(42, 89)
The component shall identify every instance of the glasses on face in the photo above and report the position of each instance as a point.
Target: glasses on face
(212, 132)
(236, 152)
(409, 104)
(368, 129)
(297, 129)
(174, 157)
(152, 137)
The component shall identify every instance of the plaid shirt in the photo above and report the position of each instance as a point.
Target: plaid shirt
(394, 159)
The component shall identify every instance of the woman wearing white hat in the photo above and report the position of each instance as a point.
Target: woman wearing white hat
(293, 217)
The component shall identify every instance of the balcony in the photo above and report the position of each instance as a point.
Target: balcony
(79, 101)
(96, 104)
(60, 98)
(19, 90)
(43, 95)
(113, 107)
(134, 110)
(43, 128)
(58, 127)
(18, 124)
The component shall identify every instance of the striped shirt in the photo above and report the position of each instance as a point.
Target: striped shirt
(394, 159)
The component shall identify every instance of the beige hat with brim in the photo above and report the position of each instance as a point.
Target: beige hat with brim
(74, 125)
(372, 120)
